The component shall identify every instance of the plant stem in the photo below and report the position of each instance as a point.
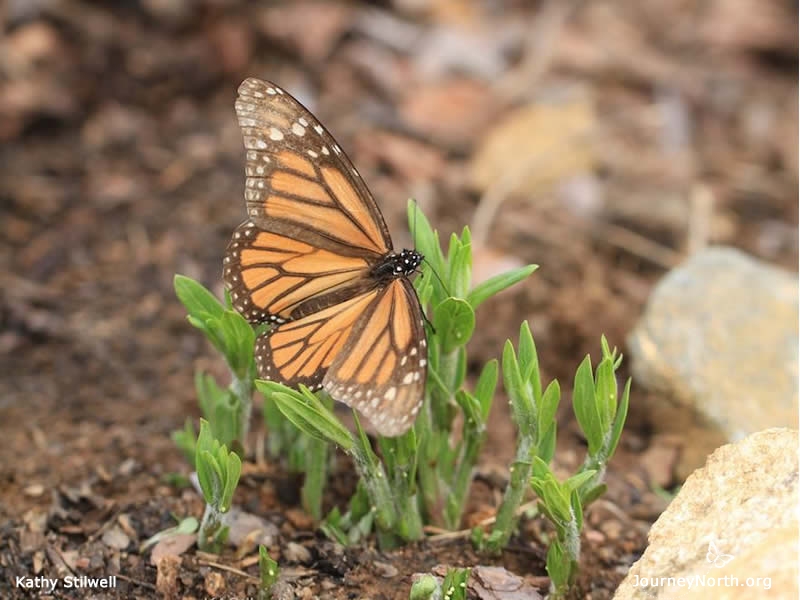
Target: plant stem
(243, 390)
(210, 533)
(520, 476)
(316, 471)
(463, 478)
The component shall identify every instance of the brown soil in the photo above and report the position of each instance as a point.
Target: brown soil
(121, 165)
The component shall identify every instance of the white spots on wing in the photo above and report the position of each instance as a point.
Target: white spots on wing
(312, 154)
(403, 361)
(408, 378)
(252, 155)
(298, 129)
(302, 121)
(390, 393)
(413, 352)
(318, 128)
(275, 134)
(355, 172)
(416, 375)
(325, 150)
(374, 403)
(271, 91)
(259, 170)
(422, 362)
(258, 95)
(253, 212)
(265, 158)
(357, 395)
(336, 149)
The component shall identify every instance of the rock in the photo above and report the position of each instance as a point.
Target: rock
(735, 517)
(297, 553)
(116, 538)
(718, 340)
(214, 584)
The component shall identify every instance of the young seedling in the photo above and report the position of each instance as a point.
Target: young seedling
(534, 412)
(218, 473)
(268, 571)
(228, 410)
(601, 415)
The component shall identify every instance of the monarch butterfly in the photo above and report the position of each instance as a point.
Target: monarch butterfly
(315, 260)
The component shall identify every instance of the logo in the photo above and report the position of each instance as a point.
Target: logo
(717, 558)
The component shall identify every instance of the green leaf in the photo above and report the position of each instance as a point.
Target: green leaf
(583, 403)
(267, 568)
(557, 564)
(460, 264)
(547, 443)
(199, 302)
(605, 394)
(498, 283)
(590, 495)
(306, 413)
(577, 480)
(529, 361)
(454, 321)
(471, 407)
(233, 469)
(206, 475)
(208, 393)
(486, 386)
(619, 420)
(185, 439)
(548, 407)
(426, 240)
(454, 586)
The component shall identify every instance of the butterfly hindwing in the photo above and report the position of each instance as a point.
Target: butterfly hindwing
(301, 351)
(382, 369)
(298, 179)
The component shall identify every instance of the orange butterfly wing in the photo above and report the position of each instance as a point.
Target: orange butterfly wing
(298, 180)
(275, 278)
(382, 369)
(315, 260)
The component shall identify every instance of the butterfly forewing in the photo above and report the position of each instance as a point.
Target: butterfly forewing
(382, 369)
(299, 180)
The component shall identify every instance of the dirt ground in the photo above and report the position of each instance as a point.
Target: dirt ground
(121, 164)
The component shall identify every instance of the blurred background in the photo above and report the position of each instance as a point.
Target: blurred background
(605, 141)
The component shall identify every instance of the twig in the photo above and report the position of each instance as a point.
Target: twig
(138, 582)
(222, 567)
(455, 535)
